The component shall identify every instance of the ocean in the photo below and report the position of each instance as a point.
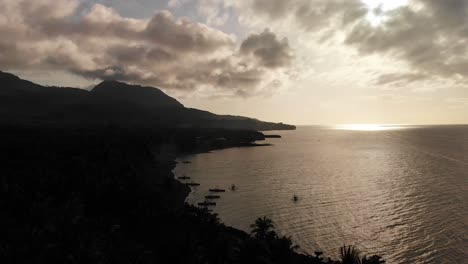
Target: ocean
(397, 191)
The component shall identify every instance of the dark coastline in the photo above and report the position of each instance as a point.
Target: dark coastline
(108, 195)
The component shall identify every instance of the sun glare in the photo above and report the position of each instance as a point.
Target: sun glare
(376, 18)
(368, 127)
(385, 4)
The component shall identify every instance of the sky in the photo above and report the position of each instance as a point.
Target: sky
(305, 62)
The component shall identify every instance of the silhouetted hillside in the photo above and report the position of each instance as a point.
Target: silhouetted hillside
(144, 96)
(110, 102)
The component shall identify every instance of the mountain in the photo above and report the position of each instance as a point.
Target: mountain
(22, 101)
(15, 88)
(144, 96)
(109, 102)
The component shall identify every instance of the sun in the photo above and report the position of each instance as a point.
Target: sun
(376, 18)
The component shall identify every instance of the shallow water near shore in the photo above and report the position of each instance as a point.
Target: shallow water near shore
(398, 192)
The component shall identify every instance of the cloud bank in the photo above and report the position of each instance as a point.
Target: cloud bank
(430, 36)
(164, 51)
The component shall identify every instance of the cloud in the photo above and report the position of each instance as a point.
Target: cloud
(391, 78)
(164, 51)
(184, 35)
(430, 35)
(308, 15)
(267, 49)
(214, 12)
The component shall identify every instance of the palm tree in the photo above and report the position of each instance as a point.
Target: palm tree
(263, 228)
(350, 255)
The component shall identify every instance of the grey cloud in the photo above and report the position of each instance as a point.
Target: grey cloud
(161, 51)
(268, 49)
(391, 78)
(9, 55)
(140, 54)
(431, 36)
(433, 40)
(157, 54)
(275, 9)
(310, 15)
(320, 14)
(109, 73)
(184, 34)
(162, 29)
(128, 53)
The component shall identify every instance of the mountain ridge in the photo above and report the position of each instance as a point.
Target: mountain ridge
(143, 95)
(110, 102)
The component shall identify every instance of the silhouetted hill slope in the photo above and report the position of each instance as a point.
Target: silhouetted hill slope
(14, 87)
(144, 96)
(110, 102)
(25, 102)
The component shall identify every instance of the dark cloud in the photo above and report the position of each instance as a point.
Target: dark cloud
(161, 51)
(268, 49)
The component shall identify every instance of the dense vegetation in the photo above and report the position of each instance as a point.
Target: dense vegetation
(107, 195)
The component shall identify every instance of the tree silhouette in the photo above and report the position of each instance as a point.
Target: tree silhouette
(350, 255)
(263, 228)
(283, 249)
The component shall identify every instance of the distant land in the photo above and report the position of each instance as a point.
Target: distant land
(109, 103)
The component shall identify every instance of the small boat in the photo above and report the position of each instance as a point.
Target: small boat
(186, 162)
(233, 187)
(193, 184)
(212, 197)
(217, 190)
(272, 136)
(184, 178)
(207, 203)
(295, 198)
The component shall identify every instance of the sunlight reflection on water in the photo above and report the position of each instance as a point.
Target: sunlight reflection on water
(370, 127)
(400, 192)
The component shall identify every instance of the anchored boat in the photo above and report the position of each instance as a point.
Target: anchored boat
(212, 197)
(207, 203)
(217, 190)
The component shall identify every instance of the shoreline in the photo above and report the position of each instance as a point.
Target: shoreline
(197, 152)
